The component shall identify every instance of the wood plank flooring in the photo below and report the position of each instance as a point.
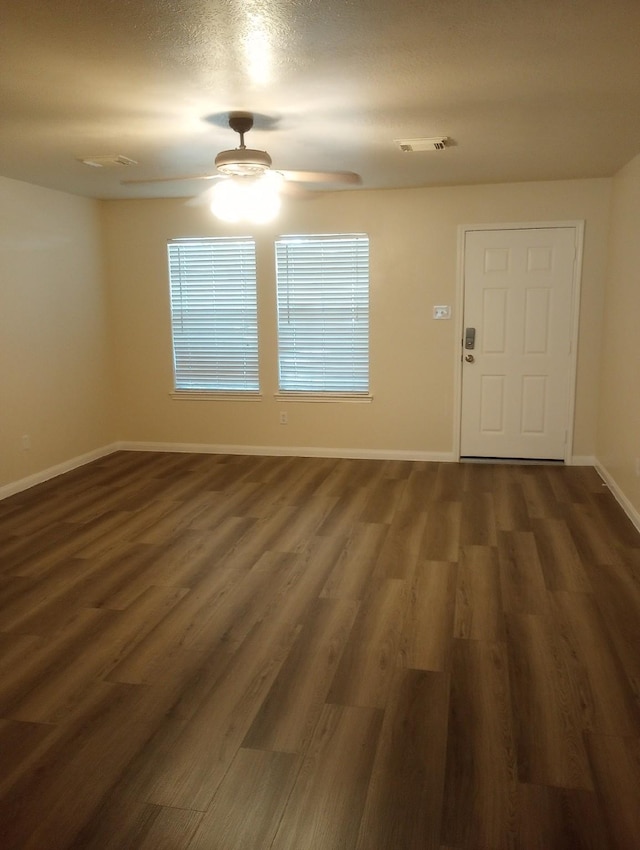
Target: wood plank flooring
(208, 652)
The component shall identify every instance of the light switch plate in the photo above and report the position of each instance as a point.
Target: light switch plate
(442, 311)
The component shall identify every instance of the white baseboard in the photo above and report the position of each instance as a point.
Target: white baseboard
(582, 460)
(59, 469)
(611, 483)
(288, 451)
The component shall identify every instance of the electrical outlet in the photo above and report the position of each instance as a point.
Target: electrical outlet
(284, 418)
(26, 442)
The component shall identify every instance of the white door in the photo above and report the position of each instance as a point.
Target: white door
(518, 295)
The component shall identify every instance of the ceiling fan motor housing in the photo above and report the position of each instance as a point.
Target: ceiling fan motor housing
(243, 162)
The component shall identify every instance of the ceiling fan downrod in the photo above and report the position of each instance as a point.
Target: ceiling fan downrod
(241, 123)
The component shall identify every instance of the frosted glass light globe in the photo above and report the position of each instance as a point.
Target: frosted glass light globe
(252, 199)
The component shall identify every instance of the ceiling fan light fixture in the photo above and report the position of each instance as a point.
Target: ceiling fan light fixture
(243, 162)
(251, 199)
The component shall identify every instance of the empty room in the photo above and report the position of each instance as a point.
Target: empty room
(319, 425)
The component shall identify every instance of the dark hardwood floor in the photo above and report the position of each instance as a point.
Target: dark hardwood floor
(202, 652)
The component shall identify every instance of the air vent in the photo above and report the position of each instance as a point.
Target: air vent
(438, 143)
(108, 161)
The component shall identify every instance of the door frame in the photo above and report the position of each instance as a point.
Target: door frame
(463, 229)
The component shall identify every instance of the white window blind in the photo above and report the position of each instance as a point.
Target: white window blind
(323, 313)
(214, 314)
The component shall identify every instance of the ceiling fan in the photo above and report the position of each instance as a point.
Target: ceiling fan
(246, 163)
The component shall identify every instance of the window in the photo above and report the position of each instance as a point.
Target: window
(323, 313)
(214, 314)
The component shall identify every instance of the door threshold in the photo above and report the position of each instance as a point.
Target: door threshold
(521, 461)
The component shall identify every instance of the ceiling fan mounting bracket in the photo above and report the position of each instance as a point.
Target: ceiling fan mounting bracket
(241, 122)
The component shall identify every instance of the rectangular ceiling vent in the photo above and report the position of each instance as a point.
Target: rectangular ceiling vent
(108, 161)
(437, 143)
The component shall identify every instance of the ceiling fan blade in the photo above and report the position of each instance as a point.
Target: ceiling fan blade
(291, 189)
(346, 177)
(140, 180)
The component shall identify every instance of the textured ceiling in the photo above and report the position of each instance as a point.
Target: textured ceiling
(525, 90)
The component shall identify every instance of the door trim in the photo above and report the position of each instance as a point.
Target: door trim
(463, 229)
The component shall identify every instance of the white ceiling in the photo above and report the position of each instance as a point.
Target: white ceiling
(525, 89)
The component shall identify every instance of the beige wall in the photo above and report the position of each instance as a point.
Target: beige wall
(54, 351)
(619, 421)
(413, 266)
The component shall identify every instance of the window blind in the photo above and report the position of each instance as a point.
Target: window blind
(323, 313)
(214, 314)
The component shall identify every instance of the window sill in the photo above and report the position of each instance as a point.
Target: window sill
(213, 395)
(351, 398)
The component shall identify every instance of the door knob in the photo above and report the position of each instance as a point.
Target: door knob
(470, 358)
